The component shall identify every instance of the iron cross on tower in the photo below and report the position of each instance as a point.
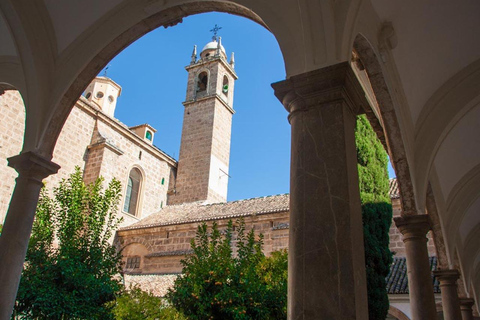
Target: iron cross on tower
(215, 31)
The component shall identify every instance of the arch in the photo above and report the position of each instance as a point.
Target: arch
(134, 256)
(202, 80)
(455, 98)
(394, 312)
(73, 82)
(225, 86)
(462, 196)
(11, 74)
(133, 192)
(391, 127)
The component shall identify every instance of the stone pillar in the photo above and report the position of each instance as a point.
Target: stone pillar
(32, 169)
(448, 287)
(326, 276)
(466, 305)
(414, 229)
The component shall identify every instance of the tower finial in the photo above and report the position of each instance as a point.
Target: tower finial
(105, 70)
(194, 55)
(232, 60)
(215, 31)
(219, 45)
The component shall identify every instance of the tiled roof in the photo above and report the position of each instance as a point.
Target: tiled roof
(393, 189)
(197, 212)
(397, 281)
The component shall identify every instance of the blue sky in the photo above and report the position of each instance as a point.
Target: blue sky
(153, 79)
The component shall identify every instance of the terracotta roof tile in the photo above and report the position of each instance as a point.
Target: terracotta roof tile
(397, 280)
(393, 189)
(197, 211)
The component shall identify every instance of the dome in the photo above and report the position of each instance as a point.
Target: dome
(212, 45)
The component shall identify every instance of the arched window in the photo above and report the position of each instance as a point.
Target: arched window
(225, 85)
(148, 135)
(133, 191)
(202, 81)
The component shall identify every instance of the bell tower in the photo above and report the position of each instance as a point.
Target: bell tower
(202, 173)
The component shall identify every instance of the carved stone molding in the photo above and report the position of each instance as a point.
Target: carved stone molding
(321, 87)
(413, 227)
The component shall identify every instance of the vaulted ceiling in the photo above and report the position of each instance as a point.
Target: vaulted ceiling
(429, 59)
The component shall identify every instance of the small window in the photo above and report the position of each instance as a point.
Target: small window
(111, 99)
(88, 95)
(99, 95)
(148, 135)
(133, 191)
(133, 262)
(163, 181)
(202, 81)
(140, 155)
(161, 204)
(225, 85)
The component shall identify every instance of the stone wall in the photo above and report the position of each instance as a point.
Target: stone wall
(98, 144)
(167, 245)
(164, 246)
(206, 135)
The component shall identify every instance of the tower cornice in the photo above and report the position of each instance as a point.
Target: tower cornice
(225, 64)
(212, 96)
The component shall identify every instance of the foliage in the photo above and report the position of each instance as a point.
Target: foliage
(218, 284)
(70, 263)
(136, 304)
(376, 214)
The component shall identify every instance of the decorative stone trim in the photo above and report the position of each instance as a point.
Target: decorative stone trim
(447, 277)
(321, 87)
(33, 166)
(413, 227)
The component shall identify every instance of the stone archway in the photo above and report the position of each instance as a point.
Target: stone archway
(396, 314)
(166, 18)
(390, 123)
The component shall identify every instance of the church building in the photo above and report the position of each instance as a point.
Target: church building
(413, 68)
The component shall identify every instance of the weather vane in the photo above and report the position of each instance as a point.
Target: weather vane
(215, 31)
(105, 71)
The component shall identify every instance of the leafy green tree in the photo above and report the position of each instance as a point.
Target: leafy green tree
(218, 284)
(136, 304)
(70, 266)
(376, 214)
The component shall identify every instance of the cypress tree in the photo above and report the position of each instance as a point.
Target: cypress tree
(376, 215)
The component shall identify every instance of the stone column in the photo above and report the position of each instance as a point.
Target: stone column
(414, 229)
(326, 273)
(448, 287)
(32, 169)
(466, 305)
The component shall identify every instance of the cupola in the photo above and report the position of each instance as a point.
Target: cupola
(213, 49)
(104, 92)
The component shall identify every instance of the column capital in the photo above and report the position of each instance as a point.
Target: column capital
(322, 86)
(413, 227)
(33, 166)
(466, 303)
(447, 277)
